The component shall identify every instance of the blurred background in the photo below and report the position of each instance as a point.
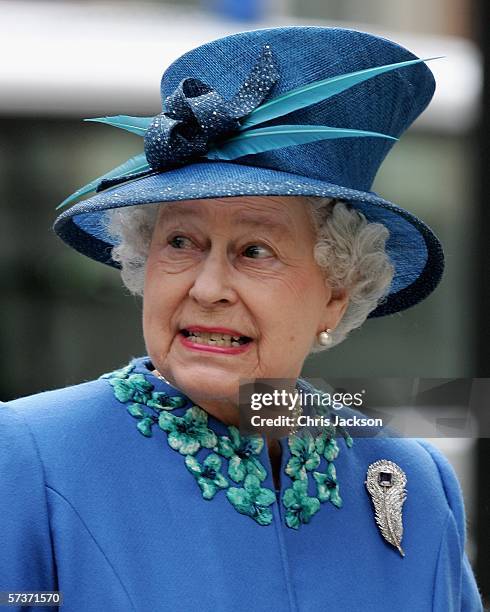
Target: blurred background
(66, 318)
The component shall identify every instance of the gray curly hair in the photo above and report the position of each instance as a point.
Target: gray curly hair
(349, 249)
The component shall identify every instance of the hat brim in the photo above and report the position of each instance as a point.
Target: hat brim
(413, 248)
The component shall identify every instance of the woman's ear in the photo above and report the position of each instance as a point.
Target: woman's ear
(336, 307)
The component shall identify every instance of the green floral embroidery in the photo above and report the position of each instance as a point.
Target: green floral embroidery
(241, 451)
(145, 425)
(349, 441)
(188, 433)
(135, 388)
(208, 475)
(253, 500)
(326, 445)
(162, 401)
(299, 506)
(304, 456)
(345, 434)
(327, 486)
(136, 410)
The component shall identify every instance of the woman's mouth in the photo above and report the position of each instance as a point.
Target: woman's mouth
(214, 340)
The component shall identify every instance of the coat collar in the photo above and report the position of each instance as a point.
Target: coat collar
(223, 461)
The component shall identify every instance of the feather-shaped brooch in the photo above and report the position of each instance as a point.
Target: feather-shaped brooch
(386, 484)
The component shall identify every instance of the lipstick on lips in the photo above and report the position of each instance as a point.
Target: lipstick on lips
(214, 339)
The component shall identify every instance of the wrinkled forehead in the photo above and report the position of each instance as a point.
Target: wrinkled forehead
(276, 213)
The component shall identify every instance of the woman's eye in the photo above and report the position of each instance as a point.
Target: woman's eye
(180, 242)
(257, 251)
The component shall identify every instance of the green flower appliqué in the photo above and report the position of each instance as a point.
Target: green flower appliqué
(136, 389)
(208, 475)
(146, 420)
(188, 433)
(349, 441)
(299, 506)
(327, 486)
(326, 445)
(304, 456)
(253, 500)
(242, 451)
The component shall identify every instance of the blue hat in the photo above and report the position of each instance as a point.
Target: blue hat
(287, 111)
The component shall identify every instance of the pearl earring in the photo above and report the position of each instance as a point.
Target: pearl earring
(324, 337)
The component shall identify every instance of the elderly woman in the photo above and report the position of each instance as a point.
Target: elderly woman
(138, 491)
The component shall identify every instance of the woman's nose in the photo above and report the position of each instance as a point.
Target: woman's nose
(213, 283)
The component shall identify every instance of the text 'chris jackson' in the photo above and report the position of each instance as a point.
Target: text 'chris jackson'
(314, 421)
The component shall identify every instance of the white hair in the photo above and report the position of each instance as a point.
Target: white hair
(349, 249)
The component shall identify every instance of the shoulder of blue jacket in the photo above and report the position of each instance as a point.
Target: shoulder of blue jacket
(58, 410)
(450, 483)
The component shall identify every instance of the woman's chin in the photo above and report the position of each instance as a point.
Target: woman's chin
(207, 383)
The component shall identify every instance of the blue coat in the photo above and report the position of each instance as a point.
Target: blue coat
(99, 502)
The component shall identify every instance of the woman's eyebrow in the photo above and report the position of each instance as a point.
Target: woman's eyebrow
(278, 227)
(242, 218)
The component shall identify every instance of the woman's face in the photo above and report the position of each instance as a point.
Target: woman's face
(232, 292)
